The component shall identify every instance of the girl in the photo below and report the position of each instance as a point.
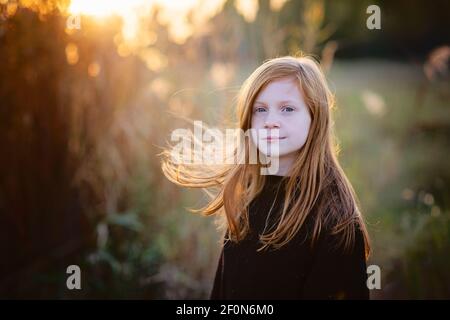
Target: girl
(296, 233)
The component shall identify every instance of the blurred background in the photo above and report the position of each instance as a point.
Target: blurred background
(91, 90)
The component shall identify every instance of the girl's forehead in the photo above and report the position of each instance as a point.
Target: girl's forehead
(280, 88)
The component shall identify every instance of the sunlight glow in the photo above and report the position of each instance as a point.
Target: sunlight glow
(172, 13)
(104, 8)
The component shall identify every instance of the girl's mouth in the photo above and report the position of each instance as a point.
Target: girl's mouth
(274, 138)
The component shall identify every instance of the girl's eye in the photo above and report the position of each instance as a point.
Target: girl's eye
(288, 109)
(259, 109)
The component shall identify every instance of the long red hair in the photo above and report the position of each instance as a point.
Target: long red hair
(315, 184)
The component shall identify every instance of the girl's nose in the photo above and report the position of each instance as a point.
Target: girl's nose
(269, 124)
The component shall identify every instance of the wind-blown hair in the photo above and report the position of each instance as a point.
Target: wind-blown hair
(316, 183)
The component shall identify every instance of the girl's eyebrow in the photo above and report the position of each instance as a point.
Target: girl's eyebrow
(288, 101)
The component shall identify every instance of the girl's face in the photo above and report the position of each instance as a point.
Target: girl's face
(280, 105)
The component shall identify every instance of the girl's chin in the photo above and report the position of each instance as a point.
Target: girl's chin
(280, 154)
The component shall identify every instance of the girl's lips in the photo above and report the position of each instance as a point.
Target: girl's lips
(274, 138)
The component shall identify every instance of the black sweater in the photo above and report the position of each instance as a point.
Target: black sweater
(296, 271)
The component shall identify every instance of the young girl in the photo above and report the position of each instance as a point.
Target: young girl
(296, 233)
